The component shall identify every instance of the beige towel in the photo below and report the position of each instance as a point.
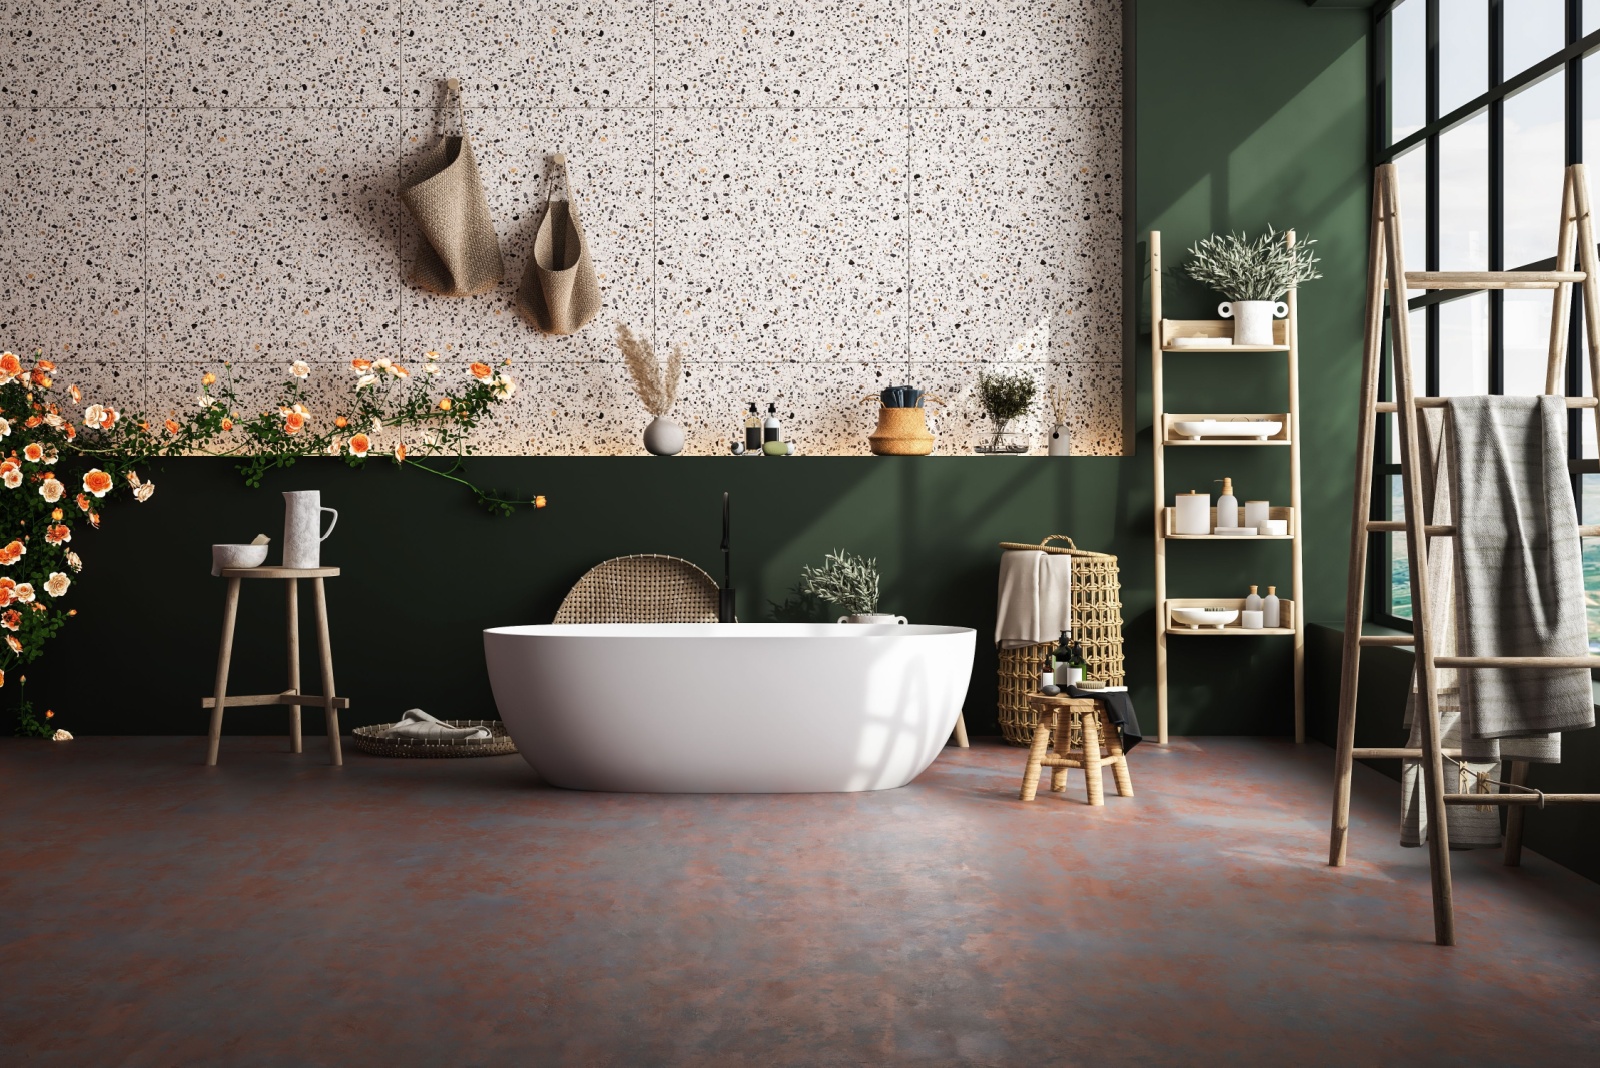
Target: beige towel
(1035, 597)
(418, 724)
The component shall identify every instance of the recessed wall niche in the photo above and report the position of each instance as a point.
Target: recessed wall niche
(816, 202)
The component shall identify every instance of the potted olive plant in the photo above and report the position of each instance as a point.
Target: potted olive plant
(850, 583)
(1254, 276)
(1004, 396)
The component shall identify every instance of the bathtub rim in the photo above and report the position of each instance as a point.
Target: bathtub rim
(853, 631)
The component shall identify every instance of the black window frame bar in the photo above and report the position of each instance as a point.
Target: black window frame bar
(1568, 59)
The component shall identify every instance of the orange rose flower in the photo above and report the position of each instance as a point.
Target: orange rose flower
(227, 424)
(538, 502)
(94, 520)
(75, 393)
(11, 553)
(482, 370)
(40, 379)
(83, 500)
(33, 452)
(208, 379)
(96, 482)
(59, 534)
(400, 453)
(341, 422)
(361, 365)
(16, 646)
(172, 426)
(293, 422)
(10, 365)
(360, 444)
(12, 620)
(33, 421)
(445, 404)
(45, 365)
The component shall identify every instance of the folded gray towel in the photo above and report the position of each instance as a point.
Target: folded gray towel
(1519, 568)
(418, 724)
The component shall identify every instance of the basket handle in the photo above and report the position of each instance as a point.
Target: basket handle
(1059, 537)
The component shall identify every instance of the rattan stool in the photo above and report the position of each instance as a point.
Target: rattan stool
(1086, 726)
(292, 696)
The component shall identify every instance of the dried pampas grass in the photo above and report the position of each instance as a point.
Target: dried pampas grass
(657, 387)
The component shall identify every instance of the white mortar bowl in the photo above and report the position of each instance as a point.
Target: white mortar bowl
(236, 556)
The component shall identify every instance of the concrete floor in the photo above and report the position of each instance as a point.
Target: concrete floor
(274, 911)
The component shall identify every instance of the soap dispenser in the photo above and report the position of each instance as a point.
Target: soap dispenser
(1252, 603)
(1270, 612)
(770, 430)
(752, 431)
(1227, 505)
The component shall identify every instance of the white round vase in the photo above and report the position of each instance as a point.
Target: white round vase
(663, 437)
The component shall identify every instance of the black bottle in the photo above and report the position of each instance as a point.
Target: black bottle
(752, 430)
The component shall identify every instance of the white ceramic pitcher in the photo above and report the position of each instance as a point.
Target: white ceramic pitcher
(1252, 319)
(302, 523)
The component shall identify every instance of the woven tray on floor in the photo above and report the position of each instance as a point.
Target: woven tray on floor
(499, 743)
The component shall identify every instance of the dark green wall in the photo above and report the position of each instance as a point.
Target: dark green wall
(1244, 112)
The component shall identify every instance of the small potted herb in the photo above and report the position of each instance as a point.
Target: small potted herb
(1254, 276)
(850, 583)
(1004, 396)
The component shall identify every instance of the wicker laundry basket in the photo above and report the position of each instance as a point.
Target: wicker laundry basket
(1096, 626)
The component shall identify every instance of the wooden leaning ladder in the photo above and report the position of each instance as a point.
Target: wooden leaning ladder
(1386, 272)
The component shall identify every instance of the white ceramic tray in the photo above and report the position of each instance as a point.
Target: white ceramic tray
(1205, 617)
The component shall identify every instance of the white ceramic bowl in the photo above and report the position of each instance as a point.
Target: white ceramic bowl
(1205, 617)
(236, 556)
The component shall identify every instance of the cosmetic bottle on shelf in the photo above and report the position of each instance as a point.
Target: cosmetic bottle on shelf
(1227, 505)
(1271, 613)
(770, 429)
(752, 430)
(1252, 603)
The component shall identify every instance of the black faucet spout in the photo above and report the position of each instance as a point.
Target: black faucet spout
(725, 598)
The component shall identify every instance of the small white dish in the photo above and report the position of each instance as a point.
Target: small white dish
(1236, 532)
(1261, 430)
(236, 556)
(1251, 620)
(1195, 618)
(1274, 528)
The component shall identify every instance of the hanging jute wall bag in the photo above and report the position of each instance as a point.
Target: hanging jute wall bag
(559, 292)
(459, 255)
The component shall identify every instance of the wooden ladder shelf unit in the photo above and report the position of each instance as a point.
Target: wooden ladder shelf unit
(1387, 274)
(1287, 343)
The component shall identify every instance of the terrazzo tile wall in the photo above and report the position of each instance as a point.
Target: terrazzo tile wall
(816, 200)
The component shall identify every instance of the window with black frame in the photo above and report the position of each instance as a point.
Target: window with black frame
(1480, 105)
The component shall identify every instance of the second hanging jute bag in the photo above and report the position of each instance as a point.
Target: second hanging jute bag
(459, 255)
(559, 291)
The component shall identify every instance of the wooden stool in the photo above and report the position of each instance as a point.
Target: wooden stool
(292, 696)
(1083, 723)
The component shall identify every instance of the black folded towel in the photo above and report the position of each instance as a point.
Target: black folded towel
(1119, 707)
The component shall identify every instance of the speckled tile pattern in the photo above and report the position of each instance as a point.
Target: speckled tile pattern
(814, 201)
(273, 910)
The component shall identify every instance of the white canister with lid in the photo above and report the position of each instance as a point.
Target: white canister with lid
(1194, 513)
(1256, 513)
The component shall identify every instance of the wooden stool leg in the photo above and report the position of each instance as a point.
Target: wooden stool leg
(325, 650)
(294, 662)
(1061, 733)
(961, 731)
(1119, 761)
(1512, 855)
(1030, 774)
(1091, 757)
(230, 611)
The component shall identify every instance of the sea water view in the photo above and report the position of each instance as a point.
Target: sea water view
(1400, 572)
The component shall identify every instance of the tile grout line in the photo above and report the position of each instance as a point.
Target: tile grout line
(655, 148)
(910, 192)
(144, 204)
(399, 183)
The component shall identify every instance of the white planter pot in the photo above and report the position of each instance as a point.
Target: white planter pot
(1060, 440)
(872, 617)
(1252, 319)
(663, 437)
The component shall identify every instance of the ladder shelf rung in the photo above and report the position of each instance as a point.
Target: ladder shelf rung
(1399, 754)
(1372, 641)
(1489, 279)
(1440, 402)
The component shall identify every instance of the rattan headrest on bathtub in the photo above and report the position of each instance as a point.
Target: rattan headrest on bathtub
(642, 589)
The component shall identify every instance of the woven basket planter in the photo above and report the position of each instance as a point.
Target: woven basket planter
(1096, 626)
(499, 743)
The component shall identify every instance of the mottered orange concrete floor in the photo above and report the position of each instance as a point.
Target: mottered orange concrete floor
(275, 911)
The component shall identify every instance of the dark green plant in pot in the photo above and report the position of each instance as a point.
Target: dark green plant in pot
(1004, 396)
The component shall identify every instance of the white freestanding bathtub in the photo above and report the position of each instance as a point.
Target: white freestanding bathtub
(729, 707)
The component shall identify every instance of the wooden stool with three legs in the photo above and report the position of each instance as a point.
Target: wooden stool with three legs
(1079, 728)
(292, 696)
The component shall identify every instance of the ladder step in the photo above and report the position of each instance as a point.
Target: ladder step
(1542, 663)
(1440, 402)
(1445, 530)
(1490, 279)
(1399, 754)
(1521, 799)
(1369, 641)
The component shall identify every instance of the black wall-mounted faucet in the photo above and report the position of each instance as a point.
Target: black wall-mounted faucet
(725, 605)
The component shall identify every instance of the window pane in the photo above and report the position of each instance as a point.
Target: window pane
(1399, 565)
(1591, 17)
(1464, 345)
(1534, 30)
(1527, 339)
(1412, 172)
(1591, 110)
(1534, 160)
(1464, 196)
(1463, 52)
(1407, 67)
